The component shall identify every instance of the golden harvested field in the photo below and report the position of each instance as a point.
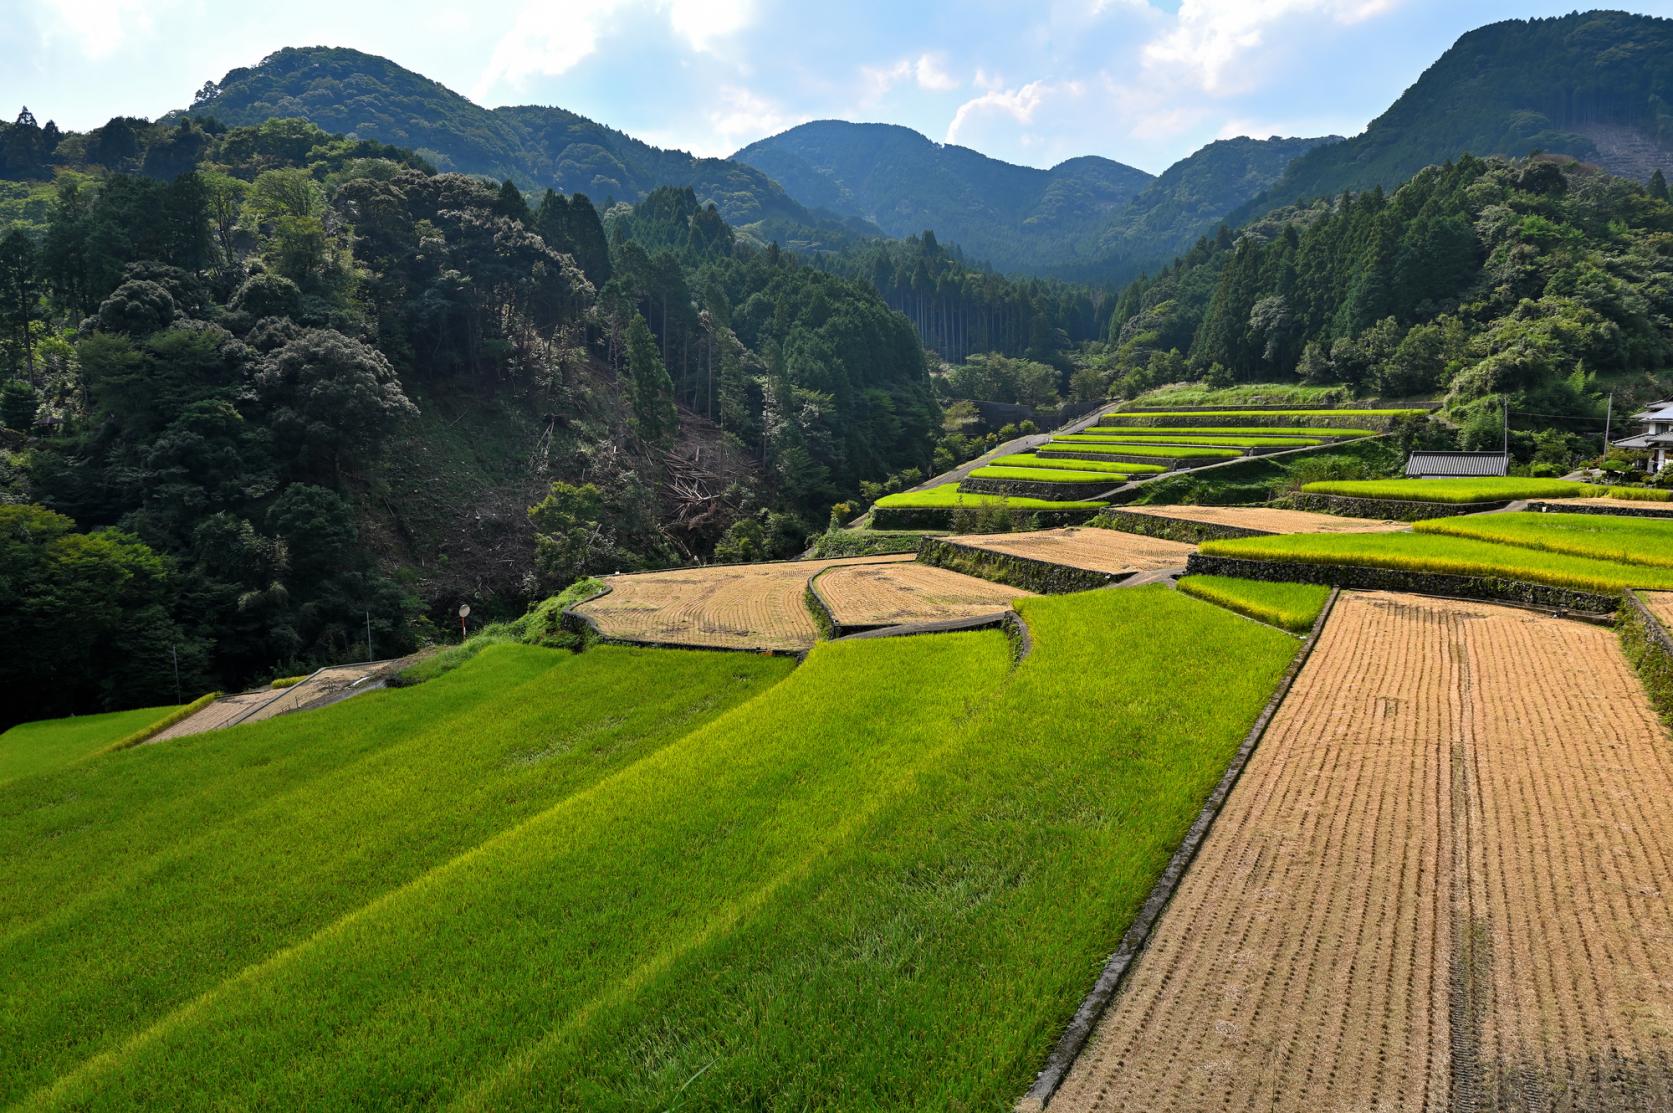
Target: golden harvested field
(1665, 508)
(1099, 550)
(1444, 881)
(1267, 519)
(1660, 604)
(746, 606)
(898, 594)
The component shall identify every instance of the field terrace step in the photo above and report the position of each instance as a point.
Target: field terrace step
(858, 598)
(1194, 524)
(1056, 560)
(752, 607)
(325, 686)
(1443, 873)
(1626, 508)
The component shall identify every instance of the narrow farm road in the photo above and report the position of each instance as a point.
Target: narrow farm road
(1444, 882)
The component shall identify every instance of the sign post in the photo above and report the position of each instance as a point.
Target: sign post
(464, 613)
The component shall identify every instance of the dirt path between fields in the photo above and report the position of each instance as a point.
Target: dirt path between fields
(1444, 882)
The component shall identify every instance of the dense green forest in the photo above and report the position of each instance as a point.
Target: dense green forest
(300, 395)
(1594, 85)
(349, 92)
(1541, 280)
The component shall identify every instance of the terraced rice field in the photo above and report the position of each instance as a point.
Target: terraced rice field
(746, 606)
(900, 594)
(1268, 519)
(1097, 550)
(1441, 883)
(1660, 604)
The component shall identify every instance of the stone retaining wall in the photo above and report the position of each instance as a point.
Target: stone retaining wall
(1397, 510)
(1649, 646)
(1171, 529)
(1648, 510)
(1370, 578)
(1039, 576)
(1040, 489)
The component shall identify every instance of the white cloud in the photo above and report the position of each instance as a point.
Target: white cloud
(740, 118)
(701, 23)
(932, 75)
(99, 28)
(548, 37)
(552, 37)
(1019, 104)
(1211, 39)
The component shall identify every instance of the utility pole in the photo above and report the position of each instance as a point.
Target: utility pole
(1507, 430)
(175, 654)
(369, 655)
(1608, 422)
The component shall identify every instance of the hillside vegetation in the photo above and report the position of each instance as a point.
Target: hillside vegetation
(1593, 85)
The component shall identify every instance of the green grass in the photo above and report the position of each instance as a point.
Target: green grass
(1488, 489)
(31, 748)
(1430, 552)
(1289, 606)
(1625, 540)
(1158, 415)
(1225, 430)
(1248, 394)
(905, 845)
(948, 495)
(194, 859)
(1047, 475)
(1108, 467)
(868, 542)
(1226, 440)
(1640, 494)
(1154, 451)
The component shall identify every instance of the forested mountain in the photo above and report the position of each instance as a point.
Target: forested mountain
(1541, 280)
(361, 95)
(306, 392)
(1012, 217)
(1595, 85)
(1087, 219)
(1190, 198)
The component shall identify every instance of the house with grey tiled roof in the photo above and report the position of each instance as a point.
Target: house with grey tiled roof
(1657, 437)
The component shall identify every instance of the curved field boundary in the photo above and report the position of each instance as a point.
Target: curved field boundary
(756, 608)
(1012, 622)
(1440, 884)
(1622, 508)
(1096, 1003)
(1053, 562)
(1493, 589)
(1196, 524)
(851, 599)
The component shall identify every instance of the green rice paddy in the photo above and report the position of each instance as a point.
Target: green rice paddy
(1622, 539)
(30, 748)
(1047, 475)
(1293, 607)
(1488, 489)
(948, 496)
(1153, 451)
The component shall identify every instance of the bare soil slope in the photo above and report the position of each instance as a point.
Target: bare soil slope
(1444, 882)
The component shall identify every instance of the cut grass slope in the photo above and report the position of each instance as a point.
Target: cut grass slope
(30, 748)
(948, 496)
(200, 857)
(1292, 607)
(885, 882)
(1489, 489)
(1624, 540)
(1460, 556)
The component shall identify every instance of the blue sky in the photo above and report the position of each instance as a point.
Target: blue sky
(1142, 81)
